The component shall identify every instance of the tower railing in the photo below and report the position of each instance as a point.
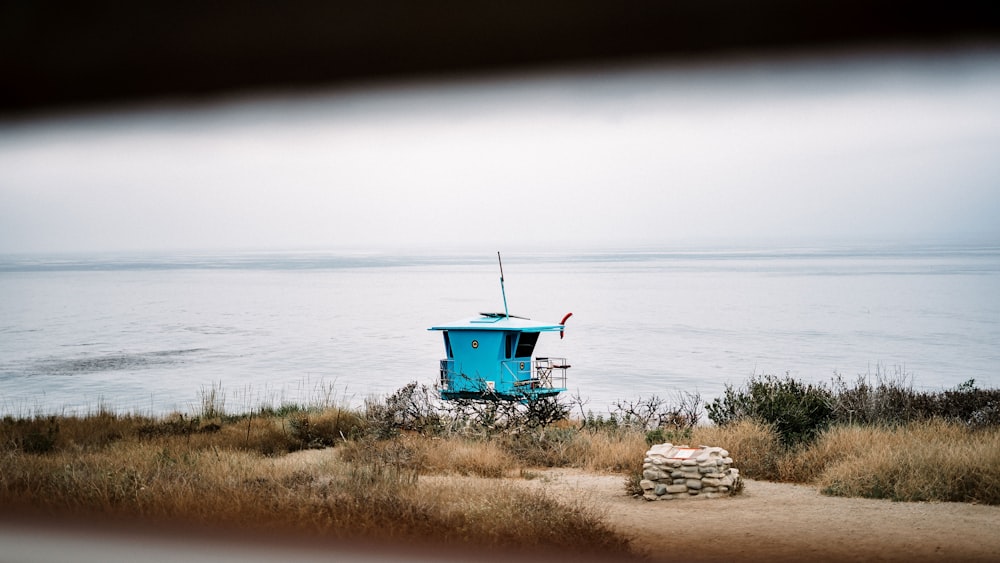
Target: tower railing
(447, 369)
(540, 373)
(516, 377)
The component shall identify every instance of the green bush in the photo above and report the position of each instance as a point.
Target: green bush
(797, 411)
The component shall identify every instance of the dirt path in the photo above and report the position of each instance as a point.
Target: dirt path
(782, 522)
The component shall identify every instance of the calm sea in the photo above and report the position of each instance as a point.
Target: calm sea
(154, 334)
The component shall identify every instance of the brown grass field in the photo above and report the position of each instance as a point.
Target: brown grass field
(330, 477)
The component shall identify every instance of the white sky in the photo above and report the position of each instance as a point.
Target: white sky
(897, 147)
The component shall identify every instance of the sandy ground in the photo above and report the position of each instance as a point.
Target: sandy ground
(782, 522)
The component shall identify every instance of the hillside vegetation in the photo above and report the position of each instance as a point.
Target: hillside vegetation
(874, 438)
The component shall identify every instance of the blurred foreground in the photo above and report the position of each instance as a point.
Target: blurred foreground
(59, 54)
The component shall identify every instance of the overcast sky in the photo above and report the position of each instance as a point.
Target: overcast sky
(899, 147)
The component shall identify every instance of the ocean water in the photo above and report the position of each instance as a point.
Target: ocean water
(155, 334)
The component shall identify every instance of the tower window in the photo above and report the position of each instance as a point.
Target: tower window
(526, 344)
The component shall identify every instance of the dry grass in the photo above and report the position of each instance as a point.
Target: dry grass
(376, 495)
(466, 457)
(268, 434)
(755, 447)
(807, 463)
(929, 460)
(616, 451)
(566, 445)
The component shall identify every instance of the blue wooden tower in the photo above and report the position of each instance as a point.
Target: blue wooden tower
(491, 357)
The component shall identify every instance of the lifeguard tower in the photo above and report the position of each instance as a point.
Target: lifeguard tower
(490, 357)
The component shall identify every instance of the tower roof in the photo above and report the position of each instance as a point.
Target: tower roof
(499, 321)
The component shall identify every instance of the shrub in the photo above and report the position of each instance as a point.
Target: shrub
(796, 410)
(324, 428)
(542, 447)
(970, 405)
(542, 411)
(883, 398)
(646, 413)
(889, 399)
(411, 407)
(483, 419)
(35, 435)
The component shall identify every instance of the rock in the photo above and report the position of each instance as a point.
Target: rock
(647, 485)
(694, 484)
(650, 496)
(661, 450)
(713, 475)
(680, 481)
(660, 489)
(689, 462)
(710, 489)
(726, 481)
(676, 489)
(727, 460)
(654, 474)
(676, 474)
(709, 482)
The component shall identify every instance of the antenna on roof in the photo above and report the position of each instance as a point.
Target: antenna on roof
(502, 291)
